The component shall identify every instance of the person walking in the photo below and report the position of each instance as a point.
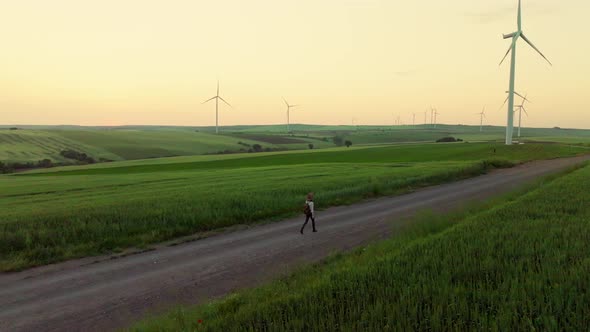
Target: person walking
(309, 212)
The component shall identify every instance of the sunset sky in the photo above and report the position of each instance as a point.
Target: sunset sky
(119, 62)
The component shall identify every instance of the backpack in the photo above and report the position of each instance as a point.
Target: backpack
(306, 209)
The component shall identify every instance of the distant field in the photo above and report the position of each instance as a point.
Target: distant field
(388, 154)
(46, 218)
(520, 264)
(137, 144)
(33, 145)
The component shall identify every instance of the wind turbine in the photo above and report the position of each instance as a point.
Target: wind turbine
(289, 106)
(435, 115)
(425, 117)
(516, 93)
(520, 109)
(414, 119)
(515, 35)
(217, 99)
(482, 115)
(431, 115)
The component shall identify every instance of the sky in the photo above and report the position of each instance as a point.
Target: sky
(153, 62)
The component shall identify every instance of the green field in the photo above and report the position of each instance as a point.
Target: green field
(34, 143)
(520, 264)
(49, 217)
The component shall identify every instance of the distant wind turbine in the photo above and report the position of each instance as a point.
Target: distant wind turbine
(289, 107)
(431, 115)
(436, 113)
(425, 117)
(414, 119)
(515, 36)
(520, 109)
(516, 93)
(217, 99)
(482, 115)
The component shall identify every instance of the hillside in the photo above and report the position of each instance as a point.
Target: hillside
(33, 143)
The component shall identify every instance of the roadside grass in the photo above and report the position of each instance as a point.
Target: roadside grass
(517, 263)
(46, 219)
(52, 219)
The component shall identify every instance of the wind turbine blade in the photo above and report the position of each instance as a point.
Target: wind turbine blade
(519, 19)
(510, 35)
(225, 102)
(285, 100)
(521, 96)
(506, 55)
(217, 88)
(208, 100)
(505, 101)
(525, 112)
(536, 49)
(518, 94)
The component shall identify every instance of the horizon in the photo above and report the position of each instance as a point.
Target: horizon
(89, 64)
(212, 127)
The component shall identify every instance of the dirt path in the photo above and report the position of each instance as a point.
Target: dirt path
(77, 296)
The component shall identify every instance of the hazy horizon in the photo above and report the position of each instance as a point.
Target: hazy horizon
(113, 63)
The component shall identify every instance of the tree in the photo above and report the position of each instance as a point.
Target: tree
(45, 163)
(338, 140)
(348, 143)
(310, 146)
(257, 148)
(448, 139)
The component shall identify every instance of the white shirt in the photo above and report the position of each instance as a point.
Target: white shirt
(310, 203)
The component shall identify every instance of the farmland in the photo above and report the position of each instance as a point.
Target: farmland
(34, 143)
(49, 217)
(518, 263)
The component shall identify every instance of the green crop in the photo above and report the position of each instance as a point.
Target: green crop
(518, 265)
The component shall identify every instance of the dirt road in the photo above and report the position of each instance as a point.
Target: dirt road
(78, 296)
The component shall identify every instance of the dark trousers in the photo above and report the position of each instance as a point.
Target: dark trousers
(307, 217)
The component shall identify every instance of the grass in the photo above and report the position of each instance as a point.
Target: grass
(46, 218)
(388, 154)
(34, 145)
(517, 264)
(141, 144)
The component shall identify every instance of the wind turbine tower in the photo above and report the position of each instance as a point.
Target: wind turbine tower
(482, 115)
(217, 99)
(520, 109)
(289, 107)
(436, 113)
(515, 36)
(431, 115)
